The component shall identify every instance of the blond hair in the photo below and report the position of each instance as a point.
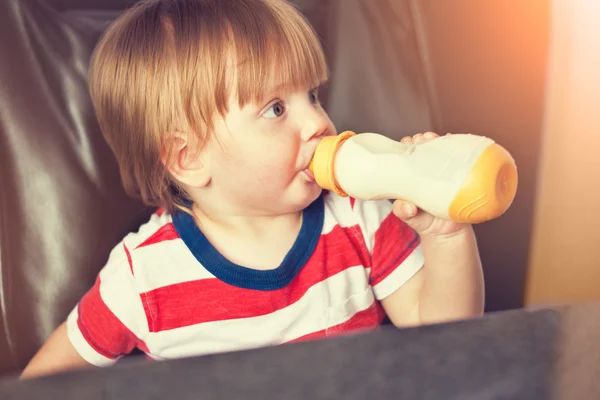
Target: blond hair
(162, 67)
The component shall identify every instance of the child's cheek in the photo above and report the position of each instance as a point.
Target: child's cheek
(278, 168)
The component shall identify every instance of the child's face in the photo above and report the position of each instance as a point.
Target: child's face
(260, 157)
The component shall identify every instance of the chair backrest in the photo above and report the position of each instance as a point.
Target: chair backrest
(61, 204)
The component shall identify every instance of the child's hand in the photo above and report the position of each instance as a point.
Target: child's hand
(422, 222)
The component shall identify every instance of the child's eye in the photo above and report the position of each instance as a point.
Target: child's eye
(275, 111)
(313, 96)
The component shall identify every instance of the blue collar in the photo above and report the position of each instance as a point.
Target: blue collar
(237, 275)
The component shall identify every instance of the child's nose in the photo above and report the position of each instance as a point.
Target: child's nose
(314, 125)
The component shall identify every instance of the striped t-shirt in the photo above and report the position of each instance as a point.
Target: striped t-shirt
(167, 291)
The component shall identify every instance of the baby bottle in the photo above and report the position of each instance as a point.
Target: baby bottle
(461, 177)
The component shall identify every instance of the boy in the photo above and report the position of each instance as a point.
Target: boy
(211, 108)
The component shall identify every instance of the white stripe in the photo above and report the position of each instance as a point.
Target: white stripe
(370, 215)
(326, 304)
(337, 212)
(165, 263)
(119, 292)
(81, 345)
(409, 267)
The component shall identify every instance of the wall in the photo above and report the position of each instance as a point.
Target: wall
(487, 64)
(565, 252)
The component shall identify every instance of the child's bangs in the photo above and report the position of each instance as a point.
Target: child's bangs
(278, 49)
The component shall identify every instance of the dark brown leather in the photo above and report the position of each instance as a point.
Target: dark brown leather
(62, 207)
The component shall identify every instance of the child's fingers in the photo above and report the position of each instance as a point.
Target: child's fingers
(419, 137)
(417, 219)
(404, 210)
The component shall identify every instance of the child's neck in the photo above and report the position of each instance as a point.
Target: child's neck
(254, 226)
(253, 241)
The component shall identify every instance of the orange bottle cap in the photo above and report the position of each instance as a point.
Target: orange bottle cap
(322, 164)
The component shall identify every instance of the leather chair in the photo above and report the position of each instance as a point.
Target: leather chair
(62, 207)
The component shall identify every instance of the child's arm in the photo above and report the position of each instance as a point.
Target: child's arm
(56, 355)
(104, 325)
(449, 286)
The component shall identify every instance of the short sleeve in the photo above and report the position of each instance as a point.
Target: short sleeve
(395, 248)
(107, 323)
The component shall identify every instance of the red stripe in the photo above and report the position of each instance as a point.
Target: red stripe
(101, 328)
(363, 320)
(206, 300)
(352, 201)
(128, 258)
(160, 211)
(393, 243)
(165, 232)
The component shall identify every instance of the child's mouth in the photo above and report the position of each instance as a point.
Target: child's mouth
(309, 175)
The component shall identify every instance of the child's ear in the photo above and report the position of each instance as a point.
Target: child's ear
(183, 157)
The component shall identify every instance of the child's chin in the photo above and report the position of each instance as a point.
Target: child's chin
(303, 198)
(312, 193)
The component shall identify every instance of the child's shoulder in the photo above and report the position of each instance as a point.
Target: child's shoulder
(158, 228)
(154, 245)
(140, 253)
